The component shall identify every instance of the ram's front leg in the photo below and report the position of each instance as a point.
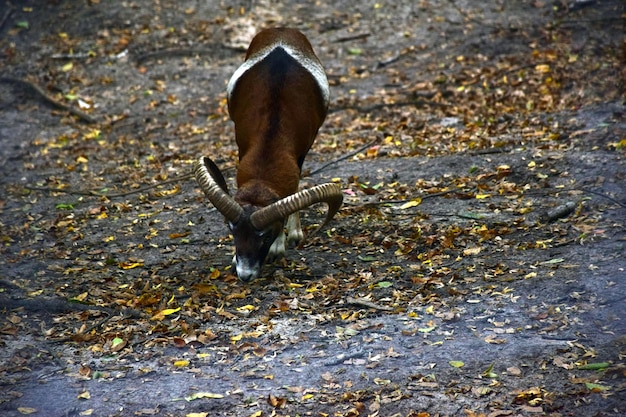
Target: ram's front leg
(277, 250)
(294, 236)
(294, 229)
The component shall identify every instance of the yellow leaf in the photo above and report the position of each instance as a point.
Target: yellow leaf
(169, 311)
(198, 395)
(457, 364)
(93, 134)
(67, 67)
(85, 395)
(196, 414)
(102, 215)
(82, 160)
(472, 251)
(619, 145)
(247, 307)
(542, 68)
(81, 297)
(236, 338)
(482, 196)
(413, 203)
(307, 396)
(26, 410)
(130, 265)
(87, 412)
(109, 238)
(257, 414)
(181, 363)
(172, 191)
(161, 314)
(178, 235)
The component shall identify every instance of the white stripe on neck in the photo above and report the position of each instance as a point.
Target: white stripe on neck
(312, 65)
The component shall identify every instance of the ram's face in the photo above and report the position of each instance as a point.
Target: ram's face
(252, 245)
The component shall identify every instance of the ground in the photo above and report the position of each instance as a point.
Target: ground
(476, 267)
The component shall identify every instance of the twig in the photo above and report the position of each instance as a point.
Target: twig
(343, 158)
(82, 115)
(393, 59)
(114, 195)
(368, 109)
(183, 52)
(383, 202)
(6, 16)
(367, 303)
(622, 205)
(352, 37)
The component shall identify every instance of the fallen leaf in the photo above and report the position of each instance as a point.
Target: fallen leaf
(130, 265)
(413, 203)
(596, 387)
(199, 395)
(598, 366)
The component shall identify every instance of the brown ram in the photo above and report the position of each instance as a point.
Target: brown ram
(278, 99)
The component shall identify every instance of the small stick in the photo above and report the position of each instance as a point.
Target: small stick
(97, 194)
(352, 37)
(368, 109)
(366, 303)
(361, 149)
(6, 16)
(82, 115)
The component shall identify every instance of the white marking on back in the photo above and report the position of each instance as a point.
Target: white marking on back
(309, 63)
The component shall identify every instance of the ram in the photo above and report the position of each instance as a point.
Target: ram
(277, 99)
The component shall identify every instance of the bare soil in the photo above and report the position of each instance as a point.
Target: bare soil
(477, 267)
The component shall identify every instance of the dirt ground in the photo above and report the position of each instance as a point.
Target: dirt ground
(476, 268)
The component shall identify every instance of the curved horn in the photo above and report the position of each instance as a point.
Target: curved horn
(215, 188)
(328, 193)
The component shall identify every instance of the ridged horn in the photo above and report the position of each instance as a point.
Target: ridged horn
(212, 183)
(328, 193)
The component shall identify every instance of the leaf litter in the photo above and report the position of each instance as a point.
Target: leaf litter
(472, 270)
